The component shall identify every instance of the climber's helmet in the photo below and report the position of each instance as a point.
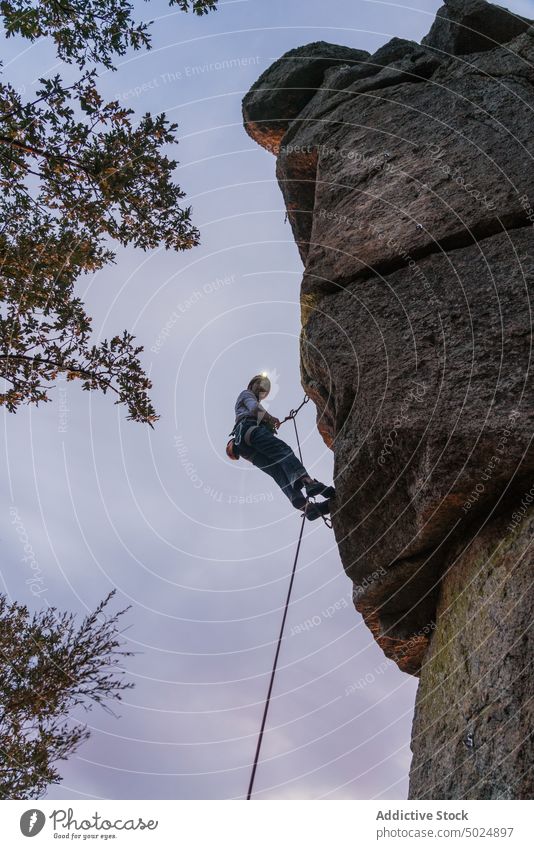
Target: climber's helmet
(260, 385)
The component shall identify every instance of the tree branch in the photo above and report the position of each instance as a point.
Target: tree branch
(89, 374)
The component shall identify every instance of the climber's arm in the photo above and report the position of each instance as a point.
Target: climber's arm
(256, 409)
(264, 416)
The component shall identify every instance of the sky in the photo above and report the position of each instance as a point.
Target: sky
(201, 548)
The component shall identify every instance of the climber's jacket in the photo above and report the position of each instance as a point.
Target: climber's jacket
(250, 414)
(247, 405)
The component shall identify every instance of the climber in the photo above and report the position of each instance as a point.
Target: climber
(254, 439)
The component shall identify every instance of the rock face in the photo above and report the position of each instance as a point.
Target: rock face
(470, 26)
(474, 715)
(282, 92)
(408, 181)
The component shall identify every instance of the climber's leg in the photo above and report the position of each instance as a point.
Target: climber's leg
(278, 454)
(264, 440)
(278, 472)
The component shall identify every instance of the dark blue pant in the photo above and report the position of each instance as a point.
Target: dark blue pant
(275, 457)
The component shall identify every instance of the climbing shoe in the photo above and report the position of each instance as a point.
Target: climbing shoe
(317, 488)
(298, 501)
(315, 511)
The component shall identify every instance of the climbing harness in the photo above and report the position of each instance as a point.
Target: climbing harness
(240, 433)
(292, 415)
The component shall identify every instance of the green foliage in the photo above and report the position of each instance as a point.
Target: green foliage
(77, 174)
(49, 667)
(86, 30)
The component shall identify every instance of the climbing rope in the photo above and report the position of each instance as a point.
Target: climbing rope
(292, 415)
(273, 671)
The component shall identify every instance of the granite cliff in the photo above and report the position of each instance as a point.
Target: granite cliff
(408, 181)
